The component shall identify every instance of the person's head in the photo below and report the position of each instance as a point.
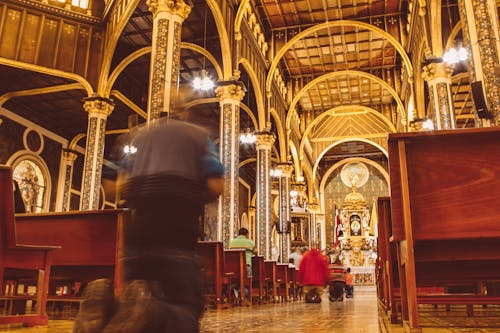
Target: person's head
(348, 270)
(291, 261)
(243, 232)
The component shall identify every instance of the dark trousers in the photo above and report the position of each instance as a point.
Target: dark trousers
(160, 237)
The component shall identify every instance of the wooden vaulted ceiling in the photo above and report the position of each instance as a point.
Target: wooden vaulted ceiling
(335, 48)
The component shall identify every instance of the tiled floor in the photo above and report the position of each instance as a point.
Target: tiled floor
(358, 315)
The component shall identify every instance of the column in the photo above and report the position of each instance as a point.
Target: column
(284, 210)
(480, 28)
(99, 109)
(168, 16)
(438, 78)
(65, 180)
(263, 145)
(313, 233)
(230, 94)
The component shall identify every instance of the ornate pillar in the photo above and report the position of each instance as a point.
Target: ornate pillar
(315, 229)
(438, 77)
(230, 94)
(284, 210)
(168, 16)
(65, 180)
(263, 145)
(99, 109)
(480, 28)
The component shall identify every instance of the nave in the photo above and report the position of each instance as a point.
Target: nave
(357, 315)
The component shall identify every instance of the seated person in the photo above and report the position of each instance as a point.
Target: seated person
(349, 288)
(243, 242)
(337, 281)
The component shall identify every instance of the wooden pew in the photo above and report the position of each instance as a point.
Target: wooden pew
(387, 277)
(293, 285)
(217, 280)
(235, 261)
(91, 242)
(15, 253)
(258, 281)
(444, 189)
(271, 280)
(283, 282)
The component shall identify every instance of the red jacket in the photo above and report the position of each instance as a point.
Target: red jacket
(313, 270)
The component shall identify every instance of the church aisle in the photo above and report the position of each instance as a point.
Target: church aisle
(357, 315)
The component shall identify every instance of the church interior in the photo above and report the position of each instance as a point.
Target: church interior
(365, 128)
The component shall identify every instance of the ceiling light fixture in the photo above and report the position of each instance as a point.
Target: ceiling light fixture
(453, 56)
(204, 82)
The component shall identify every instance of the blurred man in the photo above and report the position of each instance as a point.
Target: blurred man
(313, 274)
(171, 171)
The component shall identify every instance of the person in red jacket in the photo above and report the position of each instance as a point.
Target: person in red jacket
(313, 274)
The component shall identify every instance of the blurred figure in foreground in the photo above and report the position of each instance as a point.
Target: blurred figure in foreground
(313, 274)
(171, 171)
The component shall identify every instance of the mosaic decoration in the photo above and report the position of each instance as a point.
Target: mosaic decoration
(438, 77)
(488, 52)
(68, 164)
(443, 99)
(284, 210)
(176, 58)
(98, 109)
(263, 145)
(32, 185)
(87, 167)
(159, 62)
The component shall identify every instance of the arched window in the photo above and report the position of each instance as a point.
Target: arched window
(32, 184)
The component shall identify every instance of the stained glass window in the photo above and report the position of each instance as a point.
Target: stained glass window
(32, 184)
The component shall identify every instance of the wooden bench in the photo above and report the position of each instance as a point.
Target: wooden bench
(445, 212)
(258, 281)
(271, 279)
(16, 254)
(283, 282)
(91, 243)
(235, 262)
(454, 299)
(217, 282)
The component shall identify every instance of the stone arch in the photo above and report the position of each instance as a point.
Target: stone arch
(316, 163)
(259, 99)
(333, 111)
(330, 75)
(277, 58)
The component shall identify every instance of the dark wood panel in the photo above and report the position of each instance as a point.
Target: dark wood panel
(454, 185)
(81, 51)
(48, 43)
(11, 28)
(396, 227)
(66, 50)
(29, 39)
(86, 238)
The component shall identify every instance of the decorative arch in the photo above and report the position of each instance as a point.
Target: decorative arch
(453, 34)
(277, 58)
(27, 156)
(112, 41)
(295, 159)
(50, 71)
(281, 135)
(330, 75)
(316, 163)
(145, 50)
(419, 81)
(258, 93)
(352, 160)
(333, 112)
(239, 17)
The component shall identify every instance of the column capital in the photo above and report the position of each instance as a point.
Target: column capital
(314, 208)
(251, 209)
(286, 169)
(230, 90)
(437, 70)
(69, 155)
(175, 7)
(98, 106)
(264, 140)
(300, 187)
